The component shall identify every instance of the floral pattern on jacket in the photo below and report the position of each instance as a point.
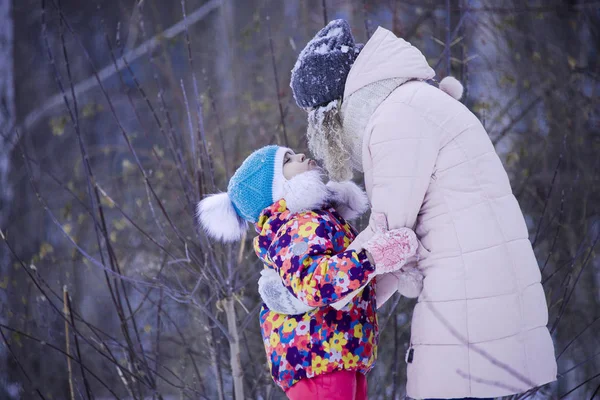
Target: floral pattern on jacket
(308, 250)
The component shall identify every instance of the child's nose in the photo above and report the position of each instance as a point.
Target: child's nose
(302, 157)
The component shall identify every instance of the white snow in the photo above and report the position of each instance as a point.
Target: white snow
(320, 112)
(334, 32)
(322, 49)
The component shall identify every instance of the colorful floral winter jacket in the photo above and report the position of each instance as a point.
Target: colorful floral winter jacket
(308, 251)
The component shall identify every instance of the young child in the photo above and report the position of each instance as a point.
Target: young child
(318, 352)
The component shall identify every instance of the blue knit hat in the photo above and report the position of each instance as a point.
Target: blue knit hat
(256, 184)
(320, 73)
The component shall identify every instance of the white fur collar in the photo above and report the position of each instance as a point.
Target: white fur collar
(307, 191)
(349, 199)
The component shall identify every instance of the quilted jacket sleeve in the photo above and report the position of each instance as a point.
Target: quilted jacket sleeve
(399, 154)
(402, 151)
(303, 255)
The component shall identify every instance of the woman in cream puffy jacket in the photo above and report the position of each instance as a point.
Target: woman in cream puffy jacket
(479, 327)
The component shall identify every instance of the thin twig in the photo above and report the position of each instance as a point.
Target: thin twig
(56, 348)
(108, 71)
(366, 19)
(119, 124)
(213, 103)
(547, 200)
(282, 116)
(580, 385)
(74, 114)
(448, 50)
(565, 302)
(205, 156)
(110, 357)
(67, 342)
(558, 228)
(51, 303)
(19, 363)
(576, 337)
(588, 359)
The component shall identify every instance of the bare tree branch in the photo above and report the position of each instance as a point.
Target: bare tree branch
(108, 71)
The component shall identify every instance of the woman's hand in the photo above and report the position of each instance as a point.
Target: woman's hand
(410, 282)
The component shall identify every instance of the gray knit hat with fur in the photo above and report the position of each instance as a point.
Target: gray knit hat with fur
(320, 73)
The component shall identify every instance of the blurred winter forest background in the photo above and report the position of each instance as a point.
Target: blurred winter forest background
(117, 116)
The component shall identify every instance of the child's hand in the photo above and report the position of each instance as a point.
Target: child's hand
(276, 296)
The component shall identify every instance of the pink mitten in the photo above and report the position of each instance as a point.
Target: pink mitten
(390, 249)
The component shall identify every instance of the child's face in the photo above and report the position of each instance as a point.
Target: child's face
(296, 164)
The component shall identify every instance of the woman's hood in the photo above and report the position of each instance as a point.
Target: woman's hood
(386, 56)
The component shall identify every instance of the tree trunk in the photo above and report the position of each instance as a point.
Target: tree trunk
(234, 348)
(214, 359)
(7, 104)
(7, 120)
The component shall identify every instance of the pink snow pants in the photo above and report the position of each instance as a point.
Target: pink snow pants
(339, 385)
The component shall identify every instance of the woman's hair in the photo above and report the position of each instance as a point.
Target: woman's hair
(325, 140)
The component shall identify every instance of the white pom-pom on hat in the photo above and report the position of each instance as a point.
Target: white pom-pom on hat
(452, 86)
(218, 218)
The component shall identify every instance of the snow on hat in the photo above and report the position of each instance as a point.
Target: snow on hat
(257, 183)
(322, 67)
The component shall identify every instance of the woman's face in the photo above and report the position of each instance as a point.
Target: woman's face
(295, 164)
